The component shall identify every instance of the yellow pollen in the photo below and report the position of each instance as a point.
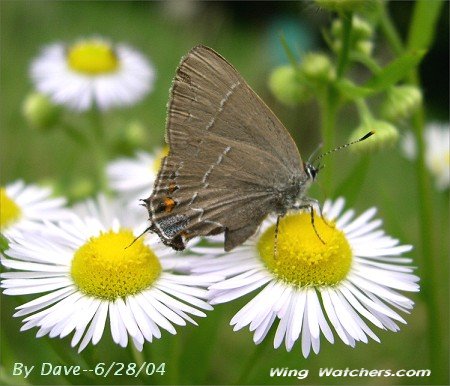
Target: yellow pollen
(164, 152)
(108, 267)
(92, 57)
(302, 259)
(9, 210)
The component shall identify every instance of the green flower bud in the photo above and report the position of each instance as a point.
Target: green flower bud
(361, 29)
(386, 135)
(40, 112)
(317, 67)
(285, 86)
(342, 5)
(134, 134)
(364, 47)
(361, 35)
(401, 102)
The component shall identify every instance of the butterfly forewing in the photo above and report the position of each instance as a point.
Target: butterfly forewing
(229, 156)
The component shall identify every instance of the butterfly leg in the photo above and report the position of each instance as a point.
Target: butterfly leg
(309, 203)
(275, 244)
(315, 203)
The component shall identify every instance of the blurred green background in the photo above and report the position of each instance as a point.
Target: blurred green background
(247, 34)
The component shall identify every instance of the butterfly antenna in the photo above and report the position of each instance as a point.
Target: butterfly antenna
(369, 134)
(142, 234)
(316, 150)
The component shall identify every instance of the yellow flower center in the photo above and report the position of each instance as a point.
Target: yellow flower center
(164, 152)
(108, 267)
(302, 259)
(9, 211)
(92, 57)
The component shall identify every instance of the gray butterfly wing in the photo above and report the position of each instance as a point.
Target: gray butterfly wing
(230, 159)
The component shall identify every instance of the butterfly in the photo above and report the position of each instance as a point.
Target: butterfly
(231, 162)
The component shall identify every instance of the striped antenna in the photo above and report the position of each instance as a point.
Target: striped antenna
(369, 134)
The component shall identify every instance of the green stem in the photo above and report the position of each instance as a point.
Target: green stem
(364, 112)
(426, 251)
(328, 109)
(99, 149)
(330, 101)
(429, 289)
(76, 135)
(367, 61)
(347, 20)
(389, 30)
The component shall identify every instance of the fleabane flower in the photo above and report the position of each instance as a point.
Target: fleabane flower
(92, 72)
(132, 178)
(24, 207)
(94, 272)
(437, 152)
(307, 288)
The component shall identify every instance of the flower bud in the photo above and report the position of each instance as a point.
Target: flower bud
(285, 86)
(361, 29)
(361, 36)
(385, 135)
(317, 67)
(401, 102)
(40, 112)
(134, 134)
(364, 47)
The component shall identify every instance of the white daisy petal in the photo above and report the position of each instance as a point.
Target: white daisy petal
(306, 335)
(297, 317)
(83, 322)
(238, 292)
(147, 327)
(87, 307)
(263, 328)
(367, 289)
(312, 306)
(331, 313)
(100, 322)
(437, 158)
(28, 206)
(252, 312)
(117, 76)
(81, 295)
(153, 313)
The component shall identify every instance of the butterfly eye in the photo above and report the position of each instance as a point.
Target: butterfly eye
(311, 171)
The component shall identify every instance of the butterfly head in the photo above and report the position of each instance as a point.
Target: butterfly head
(311, 170)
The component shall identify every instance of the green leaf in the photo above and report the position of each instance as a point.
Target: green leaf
(352, 91)
(289, 53)
(423, 25)
(395, 71)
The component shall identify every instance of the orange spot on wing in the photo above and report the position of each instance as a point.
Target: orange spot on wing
(169, 204)
(172, 187)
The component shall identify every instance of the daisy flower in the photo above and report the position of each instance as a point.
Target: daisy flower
(92, 72)
(437, 152)
(93, 269)
(132, 178)
(311, 288)
(23, 207)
